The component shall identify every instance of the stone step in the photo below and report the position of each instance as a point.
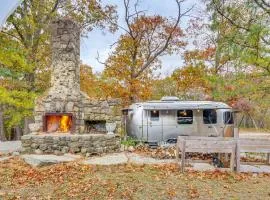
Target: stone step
(44, 160)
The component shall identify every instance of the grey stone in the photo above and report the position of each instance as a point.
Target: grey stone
(74, 150)
(44, 160)
(65, 149)
(38, 151)
(202, 167)
(74, 139)
(26, 150)
(10, 146)
(15, 153)
(112, 159)
(142, 160)
(83, 150)
(5, 158)
(43, 147)
(58, 153)
(255, 168)
(34, 145)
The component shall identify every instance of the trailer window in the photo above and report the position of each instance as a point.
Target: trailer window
(228, 117)
(184, 116)
(209, 116)
(154, 115)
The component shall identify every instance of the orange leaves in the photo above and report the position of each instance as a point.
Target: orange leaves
(203, 55)
(130, 68)
(193, 192)
(190, 77)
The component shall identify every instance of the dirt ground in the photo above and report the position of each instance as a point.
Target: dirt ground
(77, 181)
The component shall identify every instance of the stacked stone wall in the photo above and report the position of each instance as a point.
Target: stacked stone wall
(60, 144)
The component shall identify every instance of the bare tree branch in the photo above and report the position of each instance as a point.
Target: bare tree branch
(263, 5)
(152, 58)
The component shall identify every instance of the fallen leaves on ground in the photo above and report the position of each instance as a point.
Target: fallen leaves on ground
(77, 181)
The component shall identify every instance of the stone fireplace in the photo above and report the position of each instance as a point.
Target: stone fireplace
(64, 109)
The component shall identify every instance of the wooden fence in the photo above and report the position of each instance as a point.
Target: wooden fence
(186, 144)
(233, 146)
(245, 145)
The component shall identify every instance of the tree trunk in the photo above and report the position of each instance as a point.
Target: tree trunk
(132, 93)
(2, 131)
(18, 133)
(27, 121)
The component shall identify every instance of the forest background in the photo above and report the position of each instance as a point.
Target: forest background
(223, 49)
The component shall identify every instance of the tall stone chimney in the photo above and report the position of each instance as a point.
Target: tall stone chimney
(65, 80)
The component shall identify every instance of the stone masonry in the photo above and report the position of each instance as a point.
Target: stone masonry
(64, 95)
(60, 144)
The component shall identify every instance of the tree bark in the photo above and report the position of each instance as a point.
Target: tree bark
(18, 133)
(2, 131)
(27, 121)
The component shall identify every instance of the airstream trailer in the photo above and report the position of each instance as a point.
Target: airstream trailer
(164, 120)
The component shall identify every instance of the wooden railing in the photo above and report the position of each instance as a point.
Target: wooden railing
(245, 145)
(233, 146)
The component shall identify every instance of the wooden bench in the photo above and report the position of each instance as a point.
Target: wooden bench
(190, 144)
(246, 145)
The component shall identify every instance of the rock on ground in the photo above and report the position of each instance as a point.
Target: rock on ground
(202, 167)
(243, 168)
(43, 160)
(255, 168)
(5, 158)
(109, 159)
(138, 159)
(10, 146)
(123, 158)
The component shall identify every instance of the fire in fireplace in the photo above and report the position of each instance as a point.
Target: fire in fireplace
(58, 122)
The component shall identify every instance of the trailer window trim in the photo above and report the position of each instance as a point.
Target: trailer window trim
(154, 115)
(189, 115)
(227, 120)
(211, 117)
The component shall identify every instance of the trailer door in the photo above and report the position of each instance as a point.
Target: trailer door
(154, 128)
(209, 123)
(228, 121)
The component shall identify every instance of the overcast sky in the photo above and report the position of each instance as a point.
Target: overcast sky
(97, 41)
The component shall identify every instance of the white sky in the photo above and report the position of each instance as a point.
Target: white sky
(6, 8)
(97, 41)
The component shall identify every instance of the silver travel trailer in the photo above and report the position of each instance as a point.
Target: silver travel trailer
(164, 120)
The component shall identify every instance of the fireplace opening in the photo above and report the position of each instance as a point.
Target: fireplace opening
(95, 126)
(61, 123)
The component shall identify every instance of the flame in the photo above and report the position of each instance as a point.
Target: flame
(52, 123)
(61, 123)
(65, 123)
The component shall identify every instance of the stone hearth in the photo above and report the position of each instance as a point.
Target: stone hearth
(65, 109)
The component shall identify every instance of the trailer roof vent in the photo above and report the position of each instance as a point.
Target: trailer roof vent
(170, 98)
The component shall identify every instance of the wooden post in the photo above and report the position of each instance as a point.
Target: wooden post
(236, 133)
(268, 158)
(237, 157)
(177, 151)
(183, 150)
(232, 162)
